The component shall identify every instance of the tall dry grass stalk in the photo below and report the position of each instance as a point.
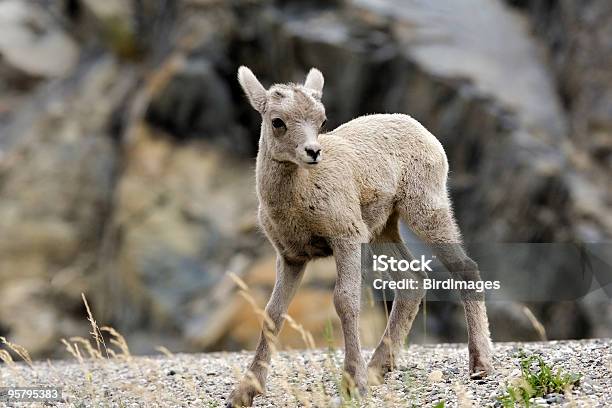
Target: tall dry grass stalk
(164, 350)
(539, 327)
(95, 330)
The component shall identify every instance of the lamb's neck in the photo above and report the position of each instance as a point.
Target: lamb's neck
(276, 181)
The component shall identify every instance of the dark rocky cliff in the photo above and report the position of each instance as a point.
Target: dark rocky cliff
(126, 149)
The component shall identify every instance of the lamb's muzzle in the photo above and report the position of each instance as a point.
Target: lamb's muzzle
(314, 153)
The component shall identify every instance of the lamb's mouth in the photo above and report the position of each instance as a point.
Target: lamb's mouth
(310, 162)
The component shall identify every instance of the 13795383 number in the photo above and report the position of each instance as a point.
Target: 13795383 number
(30, 394)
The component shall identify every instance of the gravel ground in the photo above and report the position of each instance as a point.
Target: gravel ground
(426, 375)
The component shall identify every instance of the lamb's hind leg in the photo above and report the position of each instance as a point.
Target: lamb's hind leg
(404, 310)
(288, 277)
(438, 228)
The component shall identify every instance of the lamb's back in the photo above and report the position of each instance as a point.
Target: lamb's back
(396, 137)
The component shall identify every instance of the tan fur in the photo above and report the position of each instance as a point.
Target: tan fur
(369, 173)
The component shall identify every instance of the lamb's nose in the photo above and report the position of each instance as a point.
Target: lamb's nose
(313, 153)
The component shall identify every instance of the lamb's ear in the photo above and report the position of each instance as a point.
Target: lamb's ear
(314, 80)
(253, 88)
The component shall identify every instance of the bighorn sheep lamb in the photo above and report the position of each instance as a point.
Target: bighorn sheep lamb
(323, 194)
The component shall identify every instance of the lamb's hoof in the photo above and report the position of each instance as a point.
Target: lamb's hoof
(375, 376)
(243, 395)
(480, 368)
(478, 375)
(376, 373)
(354, 388)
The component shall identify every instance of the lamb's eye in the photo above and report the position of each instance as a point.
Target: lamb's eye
(278, 124)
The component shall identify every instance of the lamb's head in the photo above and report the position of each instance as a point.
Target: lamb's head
(292, 116)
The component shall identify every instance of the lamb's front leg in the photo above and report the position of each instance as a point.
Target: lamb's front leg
(347, 295)
(288, 277)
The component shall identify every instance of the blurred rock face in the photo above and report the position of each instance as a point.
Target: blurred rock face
(57, 182)
(578, 34)
(32, 43)
(129, 175)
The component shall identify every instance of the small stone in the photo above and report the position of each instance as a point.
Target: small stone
(540, 402)
(435, 376)
(554, 398)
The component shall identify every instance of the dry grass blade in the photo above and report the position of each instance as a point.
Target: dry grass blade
(19, 350)
(306, 335)
(539, 327)
(164, 351)
(73, 350)
(6, 358)
(244, 292)
(464, 399)
(95, 330)
(119, 341)
(93, 353)
(241, 284)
